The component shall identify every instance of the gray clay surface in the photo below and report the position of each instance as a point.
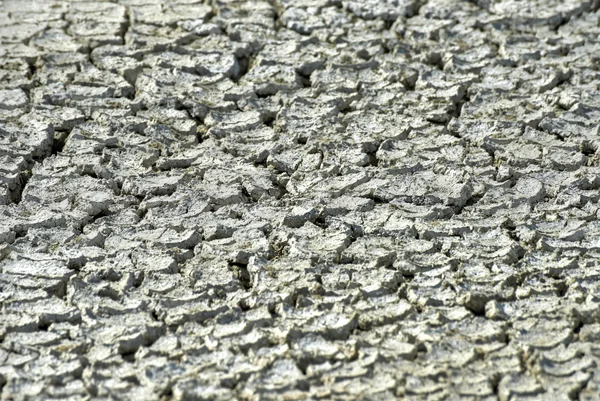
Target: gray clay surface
(299, 200)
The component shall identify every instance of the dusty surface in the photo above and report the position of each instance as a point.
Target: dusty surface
(307, 199)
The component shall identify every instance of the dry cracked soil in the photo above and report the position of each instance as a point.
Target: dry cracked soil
(299, 200)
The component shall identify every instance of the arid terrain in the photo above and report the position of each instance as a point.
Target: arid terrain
(299, 200)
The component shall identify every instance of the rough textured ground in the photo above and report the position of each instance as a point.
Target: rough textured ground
(299, 199)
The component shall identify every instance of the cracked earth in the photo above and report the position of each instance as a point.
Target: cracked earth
(299, 200)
